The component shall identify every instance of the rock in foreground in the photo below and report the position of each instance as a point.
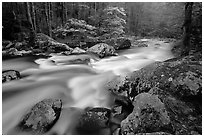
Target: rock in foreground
(94, 121)
(149, 115)
(176, 84)
(9, 75)
(41, 117)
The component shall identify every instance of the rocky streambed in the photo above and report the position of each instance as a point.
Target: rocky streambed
(141, 91)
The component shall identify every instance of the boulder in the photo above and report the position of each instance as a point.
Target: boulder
(102, 50)
(9, 75)
(23, 53)
(6, 44)
(43, 45)
(4, 53)
(118, 43)
(154, 133)
(22, 45)
(41, 117)
(13, 52)
(93, 120)
(47, 44)
(185, 118)
(142, 45)
(78, 50)
(149, 115)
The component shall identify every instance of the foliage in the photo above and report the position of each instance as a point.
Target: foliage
(74, 26)
(113, 21)
(107, 20)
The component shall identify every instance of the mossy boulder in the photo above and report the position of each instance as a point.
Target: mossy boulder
(118, 43)
(149, 115)
(9, 75)
(41, 117)
(102, 50)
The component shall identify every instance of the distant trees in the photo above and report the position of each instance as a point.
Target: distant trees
(163, 19)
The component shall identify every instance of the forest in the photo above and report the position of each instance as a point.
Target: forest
(110, 68)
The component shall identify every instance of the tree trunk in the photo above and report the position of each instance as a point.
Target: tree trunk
(47, 15)
(34, 16)
(49, 18)
(32, 32)
(187, 27)
(65, 10)
(29, 15)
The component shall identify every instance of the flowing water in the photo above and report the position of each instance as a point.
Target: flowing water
(78, 85)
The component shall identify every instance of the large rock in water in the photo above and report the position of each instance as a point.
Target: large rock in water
(118, 43)
(9, 75)
(177, 83)
(41, 117)
(102, 50)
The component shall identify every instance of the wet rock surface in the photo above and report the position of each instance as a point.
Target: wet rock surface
(48, 44)
(41, 117)
(149, 115)
(118, 43)
(142, 45)
(102, 50)
(94, 119)
(175, 85)
(78, 50)
(9, 75)
(100, 120)
(154, 133)
(43, 45)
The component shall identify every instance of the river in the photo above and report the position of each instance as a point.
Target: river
(78, 85)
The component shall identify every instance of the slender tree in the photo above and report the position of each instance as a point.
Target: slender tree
(65, 11)
(187, 27)
(47, 15)
(50, 19)
(32, 32)
(34, 16)
(29, 15)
